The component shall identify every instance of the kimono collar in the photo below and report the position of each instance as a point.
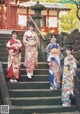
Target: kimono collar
(13, 41)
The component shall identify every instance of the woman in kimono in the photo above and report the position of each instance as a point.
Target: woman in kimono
(54, 68)
(14, 48)
(68, 78)
(51, 45)
(30, 40)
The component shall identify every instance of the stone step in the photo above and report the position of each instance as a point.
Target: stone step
(41, 109)
(41, 65)
(33, 93)
(35, 78)
(7, 37)
(36, 101)
(4, 48)
(24, 78)
(29, 85)
(36, 71)
(5, 52)
(5, 59)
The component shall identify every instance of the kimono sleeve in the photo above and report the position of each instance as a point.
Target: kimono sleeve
(74, 63)
(24, 37)
(9, 46)
(20, 44)
(48, 48)
(49, 58)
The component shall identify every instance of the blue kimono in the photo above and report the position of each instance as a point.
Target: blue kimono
(50, 47)
(54, 69)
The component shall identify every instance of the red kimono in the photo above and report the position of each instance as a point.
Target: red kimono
(14, 58)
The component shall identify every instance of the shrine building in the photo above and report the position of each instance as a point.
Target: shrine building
(14, 14)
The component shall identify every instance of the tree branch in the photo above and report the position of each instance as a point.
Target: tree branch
(77, 3)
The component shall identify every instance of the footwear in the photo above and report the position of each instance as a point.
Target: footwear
(11, 80)
(55, 89)
(15, 80)
(29, 75)
(66, 104)
(51, 88)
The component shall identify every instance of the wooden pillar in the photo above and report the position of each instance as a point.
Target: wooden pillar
(17, 15)
(2, 18)
(47, 17)
(58, 21)
(8, 13)
(27, 15)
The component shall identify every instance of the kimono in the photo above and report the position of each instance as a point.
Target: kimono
(54, 69)
(68, 79)
(14, 58)
(30, 41)
(50, 47)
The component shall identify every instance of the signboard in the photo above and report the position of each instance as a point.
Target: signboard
(52, 21)
(22, 20)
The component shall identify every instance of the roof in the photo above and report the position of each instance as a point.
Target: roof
(46, 4)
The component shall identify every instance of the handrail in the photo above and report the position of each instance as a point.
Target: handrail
(36, 26)
(4, 90)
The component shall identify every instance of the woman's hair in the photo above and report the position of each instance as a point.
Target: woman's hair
(13, 32)
(52, 35)
(53, 38)
(69, 48)
(31, 25)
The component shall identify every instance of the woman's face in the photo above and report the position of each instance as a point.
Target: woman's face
(14, 36)
(31, 28)
(68, 52)
(53, 40)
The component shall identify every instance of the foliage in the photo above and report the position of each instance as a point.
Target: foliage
(59, 1)
(68, 21)
(76, 2)
(65, 1)
(70, 1)
(52, 1)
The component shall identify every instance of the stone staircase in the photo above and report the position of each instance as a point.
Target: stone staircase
(32, 96)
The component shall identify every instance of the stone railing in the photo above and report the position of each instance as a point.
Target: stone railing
(4, 90)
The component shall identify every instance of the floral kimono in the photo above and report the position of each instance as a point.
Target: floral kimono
(31, 51)
(50, 47)
(14, 58)
(68, 80)
(55, 69)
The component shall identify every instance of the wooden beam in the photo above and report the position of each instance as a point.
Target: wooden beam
(8, 13)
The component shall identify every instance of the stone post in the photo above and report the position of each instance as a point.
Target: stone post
(37, 16)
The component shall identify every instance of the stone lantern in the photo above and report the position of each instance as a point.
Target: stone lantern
(2, 2)
(37, 16)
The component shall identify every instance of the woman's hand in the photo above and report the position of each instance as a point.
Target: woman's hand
(49, 63)
(10, 52)
(26, 43)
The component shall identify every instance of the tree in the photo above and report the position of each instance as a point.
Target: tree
(52, 1)
(77, 3)
(69, 20)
